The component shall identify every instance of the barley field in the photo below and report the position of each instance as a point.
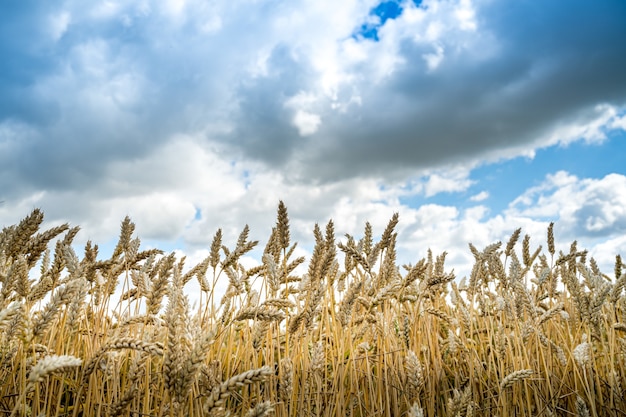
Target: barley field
(531, 332)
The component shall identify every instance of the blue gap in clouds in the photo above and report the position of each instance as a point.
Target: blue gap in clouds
(385, 11)
(507, 180)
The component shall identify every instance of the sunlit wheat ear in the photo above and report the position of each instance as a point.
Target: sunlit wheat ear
(7, 314)
(18, 243)
(191, 365)
(259, 333)
(415, 411)
(18, 274)
(38, 245)
(158, 284)
(582, 354)
(178, 342)
(285, 387)
(223, 391)
(512, 241)
(317, 359)
(43, 368)
(581, 408)
(459, 402)
(347, 303)
(120, 343)
(261, 410)
(414, 373)
(52, 364)
(548, 315)
(551, 238)
(260, 313)
(282, 226)
(514, 377)
(75, 308)
(64, 295)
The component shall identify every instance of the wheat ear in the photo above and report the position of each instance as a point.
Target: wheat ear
(43, 368)
(513, 377)
(260, 410)
(221, 393)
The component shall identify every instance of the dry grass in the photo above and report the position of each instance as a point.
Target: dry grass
(527, 334)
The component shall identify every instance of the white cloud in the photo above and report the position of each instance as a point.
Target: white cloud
(304, 120)
(164, 191)
(591, 128)
(593, 208)
(466, 15)
(58, 24)
(605, 252)
(447, 181)
(619, 122)
(481, 196)
(105, 9)
(158, 215)
(307, 123)
(434, 59)
(175, 8)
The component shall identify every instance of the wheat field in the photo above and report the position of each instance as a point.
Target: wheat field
(531, 332)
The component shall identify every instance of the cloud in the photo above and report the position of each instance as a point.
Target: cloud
(493, 91)
(593, 208)
(481, 196)
(588, 210)
(184, 192)
(453, 180)
(307, 123)
(444, 82)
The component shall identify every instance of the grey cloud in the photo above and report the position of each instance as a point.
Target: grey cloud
(65, 93)
(24, 57)
(263, 128)
(555, 66)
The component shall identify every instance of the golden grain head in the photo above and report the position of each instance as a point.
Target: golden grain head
(527, 330)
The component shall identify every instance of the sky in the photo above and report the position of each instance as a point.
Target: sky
(469, 118)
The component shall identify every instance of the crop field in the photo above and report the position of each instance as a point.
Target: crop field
(532, 331)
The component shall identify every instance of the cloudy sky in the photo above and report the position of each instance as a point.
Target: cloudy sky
(469, 118)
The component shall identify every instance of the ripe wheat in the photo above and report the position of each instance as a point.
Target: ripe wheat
(351, 333)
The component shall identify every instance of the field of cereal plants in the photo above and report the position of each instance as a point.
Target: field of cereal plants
(531, 332)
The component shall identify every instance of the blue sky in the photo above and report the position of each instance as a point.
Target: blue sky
(469, 118)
